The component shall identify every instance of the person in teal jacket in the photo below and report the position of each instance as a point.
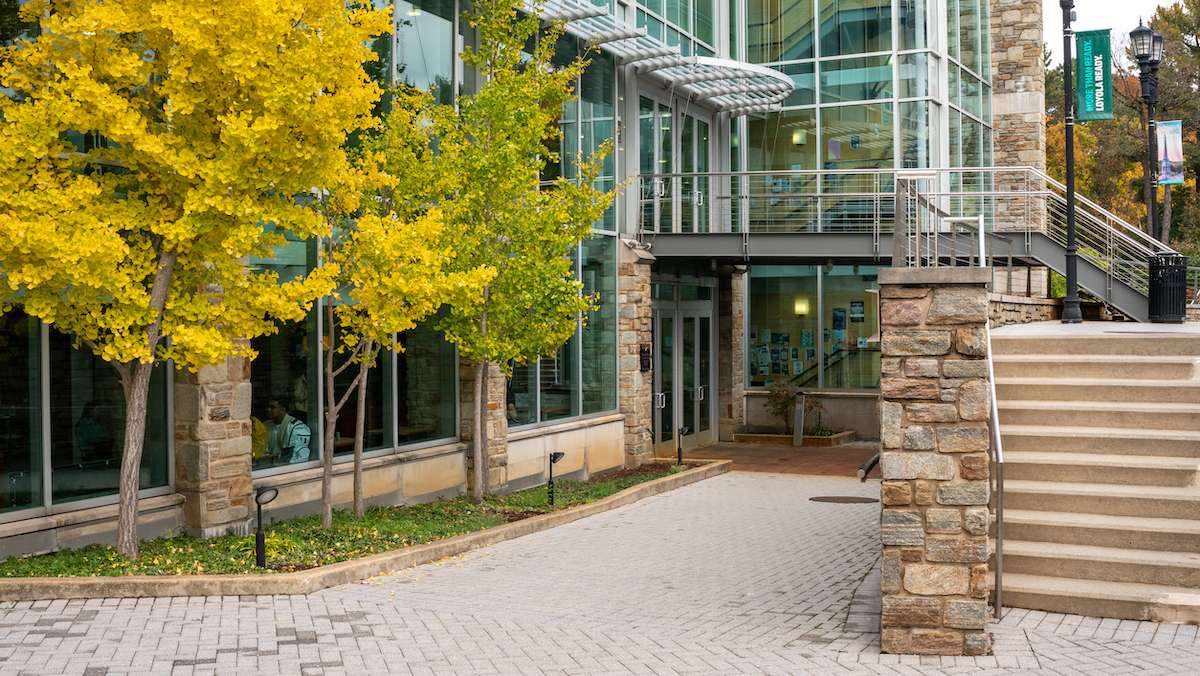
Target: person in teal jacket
(288, 438)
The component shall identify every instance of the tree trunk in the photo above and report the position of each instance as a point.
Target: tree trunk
(360, 429)
(135, 384)
(331, 414)
(478, 454)
(1166, 224)
(136, 387)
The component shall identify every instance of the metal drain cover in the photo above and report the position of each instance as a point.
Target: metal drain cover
(843, 499)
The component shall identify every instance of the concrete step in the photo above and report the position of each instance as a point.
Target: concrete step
(1091, 366)
(1087, 562)
(1101, 468)
(1099, 389)
(1122, 600)
(1129, 532)
(1130, 414)
(1111, 344)
(1168, 502)
(1105, 440)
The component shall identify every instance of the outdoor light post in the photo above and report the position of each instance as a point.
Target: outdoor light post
(262, 495)
(1072, 314)
(554, 458)
(1148, 48)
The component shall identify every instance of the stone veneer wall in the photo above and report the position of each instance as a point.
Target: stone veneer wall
(934, 410)
(212, 448)
(731, 353)
(1006, 310)
(496, 397)
(634, 331)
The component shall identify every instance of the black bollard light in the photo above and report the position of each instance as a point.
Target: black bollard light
(679, 445)
(554, 458)
(263, 495)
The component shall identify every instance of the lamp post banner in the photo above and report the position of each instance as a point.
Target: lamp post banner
(1093, 75)
(1170, 153)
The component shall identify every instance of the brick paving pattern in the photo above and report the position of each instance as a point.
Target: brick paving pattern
(740, 574)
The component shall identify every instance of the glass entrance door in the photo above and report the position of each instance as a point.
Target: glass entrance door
(683, 376)
(693, 188)
(656, 163)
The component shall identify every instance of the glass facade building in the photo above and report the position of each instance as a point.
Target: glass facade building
(876, 86)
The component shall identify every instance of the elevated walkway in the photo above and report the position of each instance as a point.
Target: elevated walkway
(792, 216)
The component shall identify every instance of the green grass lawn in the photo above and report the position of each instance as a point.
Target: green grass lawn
(300, 543)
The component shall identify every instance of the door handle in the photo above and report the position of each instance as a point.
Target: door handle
(699, 198)
(659, 187)
(700, 393)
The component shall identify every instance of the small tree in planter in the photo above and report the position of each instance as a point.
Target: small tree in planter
(781, 402)
(813, 407)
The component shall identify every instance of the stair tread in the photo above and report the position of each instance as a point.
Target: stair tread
(1101, 406)
(1097, 382)
(1188, 493)
(1107, 432)
(1101, 589)
(1103, 460)
(1093, 358)
(1108, 521)
(1101, 554)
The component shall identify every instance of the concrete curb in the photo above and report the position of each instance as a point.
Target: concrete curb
(308, 581)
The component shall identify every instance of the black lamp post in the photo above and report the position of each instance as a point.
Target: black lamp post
(554, 458)
(1148, 48)
(1072, 314)
(262, 495)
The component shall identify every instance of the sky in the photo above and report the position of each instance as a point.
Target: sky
(1119, 15)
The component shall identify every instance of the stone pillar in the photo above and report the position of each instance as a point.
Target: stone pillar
(1019, 127)
(635, 390)
(731, 352)
(496, 398)
(212, 448)
(935, 434)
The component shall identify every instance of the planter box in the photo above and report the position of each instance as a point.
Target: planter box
(786, 440)
(838, 439)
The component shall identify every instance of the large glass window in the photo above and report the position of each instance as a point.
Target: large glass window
(599, 345)
(284, 377)
(425, 46)
(857, 79)
(915, 75)
(377, 431)
(779, 30)
(858, 137)
(426, 396)
(914, 24)
(915, 134)
(597, 116)
(20, 413)
(784, 141)
(804, 83)
(87, 425)
(815, 327)
(559, 383)
(855, 26)
(783, 325)
(522, 395)
(850, 327)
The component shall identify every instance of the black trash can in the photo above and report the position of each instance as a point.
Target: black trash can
(1168, 288)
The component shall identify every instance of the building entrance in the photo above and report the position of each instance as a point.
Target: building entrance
(684, 354)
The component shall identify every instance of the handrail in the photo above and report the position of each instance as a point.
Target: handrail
(998, 461)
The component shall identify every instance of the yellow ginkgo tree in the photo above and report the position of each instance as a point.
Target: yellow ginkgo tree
(202, 132)
(392, 273)
(492, 153)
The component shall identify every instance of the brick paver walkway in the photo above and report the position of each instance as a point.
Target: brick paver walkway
(737, 574)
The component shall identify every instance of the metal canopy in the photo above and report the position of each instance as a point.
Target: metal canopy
(728, 86)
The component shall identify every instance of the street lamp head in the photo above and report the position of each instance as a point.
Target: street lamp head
(264, 495)
(1156, 49)
(556, 456)
(1141, 38)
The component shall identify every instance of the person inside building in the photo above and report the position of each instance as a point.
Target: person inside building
(288, 438)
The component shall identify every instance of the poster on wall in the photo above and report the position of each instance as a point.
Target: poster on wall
(839, 318)
(1170, 153)
(858, 311)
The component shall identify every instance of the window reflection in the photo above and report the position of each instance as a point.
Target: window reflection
(425, 46)
(20, 413)
(87, 425)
